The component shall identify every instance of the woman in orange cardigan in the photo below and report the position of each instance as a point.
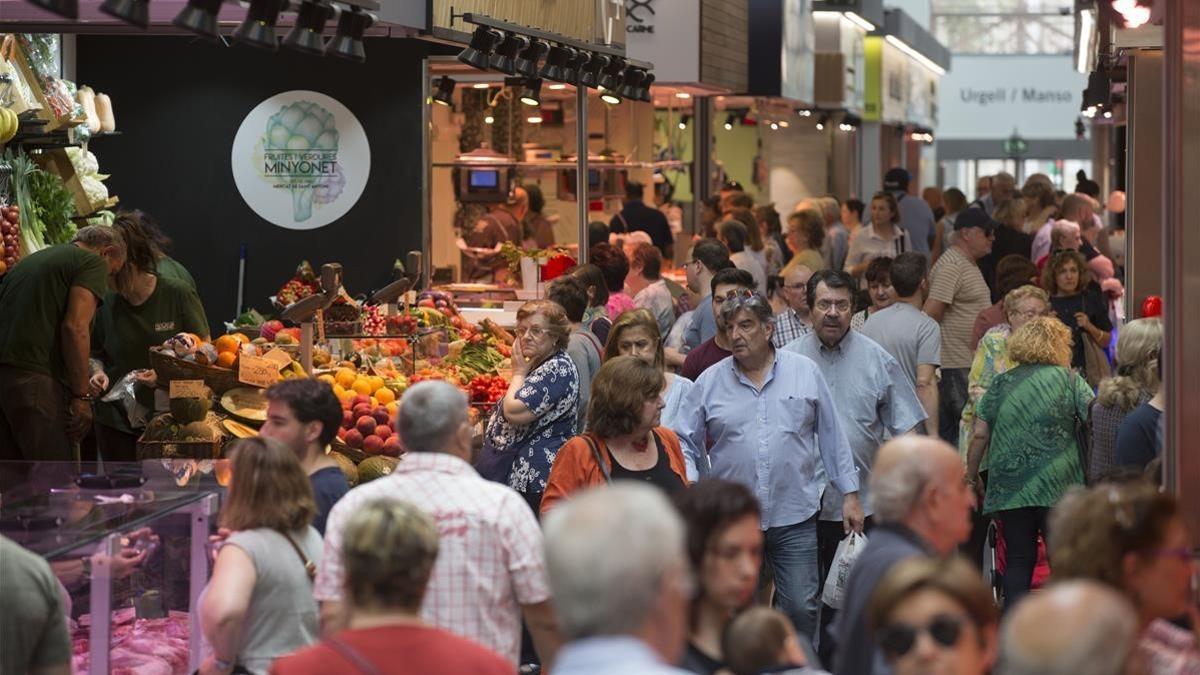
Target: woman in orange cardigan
(624, 440)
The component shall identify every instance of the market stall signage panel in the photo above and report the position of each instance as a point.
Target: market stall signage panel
(301, 160)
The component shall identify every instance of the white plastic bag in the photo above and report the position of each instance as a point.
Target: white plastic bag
(848, 551)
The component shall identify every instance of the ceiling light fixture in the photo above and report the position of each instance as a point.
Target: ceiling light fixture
(527, 60)
(64, 8)
(557, 86)
(631, 87)
(556, 63)
(445, 91)
(804, 113)
(774, 126)
(532, 93)
(683, 95)
(135, 12)
(306, 35)
(591, 74)
(200, 18)
(478, 51)
(783, 124)
(729, 120)
(347, 42)
(914, 54)
(575, 66)
(610, 97)
(1108, 114)
(821, 122)
(504, 59)
(258, 29)
(646, 95)
(534, 119)
(489, 118)
(613, 73)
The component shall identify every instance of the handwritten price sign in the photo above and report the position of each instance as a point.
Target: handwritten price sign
(257, 371)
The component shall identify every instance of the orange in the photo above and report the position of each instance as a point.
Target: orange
(328, 379)
(376, 382)
(392, 408)
(385, 395)
(346, 377)
(362, 386)
(241, 337)
(339, 391)
(227, 343)
(227, 359)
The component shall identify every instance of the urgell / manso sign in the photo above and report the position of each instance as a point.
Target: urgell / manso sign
(1001, 95)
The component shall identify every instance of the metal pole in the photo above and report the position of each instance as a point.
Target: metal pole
(201, 512)
(581, 167)
(426, 202)
(701, 158)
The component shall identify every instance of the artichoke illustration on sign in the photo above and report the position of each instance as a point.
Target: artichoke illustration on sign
(300, 160)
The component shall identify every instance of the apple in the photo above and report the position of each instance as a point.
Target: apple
(381, 416)
(347, 419)
(362, 410)
(362, 399)
(366, 425)
(341, 433)
(354, 438)
(372, 445)
(383, 431)
(391, 446)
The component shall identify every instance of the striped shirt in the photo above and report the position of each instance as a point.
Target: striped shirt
(490, 559)
(957, 282)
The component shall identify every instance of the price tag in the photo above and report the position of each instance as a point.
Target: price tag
(257, 371)
(278, 356)
(188, 389)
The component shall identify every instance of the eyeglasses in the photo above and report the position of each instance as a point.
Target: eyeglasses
(740, 293)
(898, 639)
(839, 305)
(535, 332)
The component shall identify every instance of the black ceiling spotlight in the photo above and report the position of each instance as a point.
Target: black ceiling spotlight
(730, 120)
(479, 51)
(591, 74)
(136, 12)
(611, 78)
(527, 60)
(505, 55)
(65, 8)
(531, 95)
(644, 91)
(307, 35)
(1099, 90)
(258, 29)
(822, 121)
(347, 43)
(200, 17)
(445, 91)
(631, 87)
(575, 65)
(555, 68)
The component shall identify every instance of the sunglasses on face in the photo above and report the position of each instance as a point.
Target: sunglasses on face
(898, 639)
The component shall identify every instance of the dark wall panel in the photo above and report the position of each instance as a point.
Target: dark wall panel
(179, 103)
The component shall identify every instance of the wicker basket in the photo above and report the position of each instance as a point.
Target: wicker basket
(170, 367)
(179, 450)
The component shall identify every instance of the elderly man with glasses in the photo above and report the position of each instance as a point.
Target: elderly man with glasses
(772, 424)
(795, 321)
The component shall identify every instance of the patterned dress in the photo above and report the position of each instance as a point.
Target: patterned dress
(551, 392)
(991, 359)
(1032, 458)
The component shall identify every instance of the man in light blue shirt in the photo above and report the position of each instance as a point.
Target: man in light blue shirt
(709, 256)
(623, 614)
(874, 398)
(771, 422)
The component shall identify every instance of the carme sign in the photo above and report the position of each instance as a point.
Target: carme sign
(987, 97)
(300, 160)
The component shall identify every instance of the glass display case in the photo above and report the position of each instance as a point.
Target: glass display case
(129, 543)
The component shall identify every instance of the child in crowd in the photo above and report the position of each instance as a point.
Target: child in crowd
(762, 640)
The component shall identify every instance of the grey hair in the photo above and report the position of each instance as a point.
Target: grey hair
(1071, 627)
(755, 303)
(430, 414)
(101, 236)
(896, 492)
(608, 553)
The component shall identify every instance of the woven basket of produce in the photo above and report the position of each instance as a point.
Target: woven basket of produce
(166, 437)
(170, 367)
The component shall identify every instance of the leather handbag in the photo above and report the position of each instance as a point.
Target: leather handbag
(1095, 360)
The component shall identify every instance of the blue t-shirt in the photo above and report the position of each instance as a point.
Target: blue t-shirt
(329, 485)
(1139, 438)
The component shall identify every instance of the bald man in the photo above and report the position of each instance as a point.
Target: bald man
(1071, 627)
(922, 507)
(481, 260)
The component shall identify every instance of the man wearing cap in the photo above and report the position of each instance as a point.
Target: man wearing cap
(636, 216)
(957, 294)
(915, 215)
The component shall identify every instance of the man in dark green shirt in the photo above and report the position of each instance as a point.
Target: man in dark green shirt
(47, 303)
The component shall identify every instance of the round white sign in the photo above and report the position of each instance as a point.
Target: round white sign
(301, 160)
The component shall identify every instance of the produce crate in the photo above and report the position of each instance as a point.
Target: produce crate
(180, 450)
(170, 367)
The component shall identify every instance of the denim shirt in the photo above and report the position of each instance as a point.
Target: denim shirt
(774, 440)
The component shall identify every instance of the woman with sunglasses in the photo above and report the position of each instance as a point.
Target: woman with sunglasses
(539, 412)
(934, 617)
(1133, 538)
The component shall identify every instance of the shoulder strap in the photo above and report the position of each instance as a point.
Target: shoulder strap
(310, 567)
(594, 340)
(352, 655)
(596, 455)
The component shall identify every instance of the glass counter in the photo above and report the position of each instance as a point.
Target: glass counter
(129, 543)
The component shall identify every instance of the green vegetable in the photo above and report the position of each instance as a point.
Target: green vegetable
(33, 233)
(250, 317)
(55, 207)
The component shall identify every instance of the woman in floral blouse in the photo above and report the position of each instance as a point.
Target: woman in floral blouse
(538, 413)
(991, 358)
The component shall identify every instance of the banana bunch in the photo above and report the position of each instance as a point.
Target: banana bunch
(8, 125)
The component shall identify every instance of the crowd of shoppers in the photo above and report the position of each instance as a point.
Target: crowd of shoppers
(652, 473)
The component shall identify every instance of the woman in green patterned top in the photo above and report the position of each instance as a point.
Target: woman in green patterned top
(1024, 441)
(991, 357)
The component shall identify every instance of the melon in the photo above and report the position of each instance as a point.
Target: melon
(188, 410)
(347, 466)
(376, 467)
